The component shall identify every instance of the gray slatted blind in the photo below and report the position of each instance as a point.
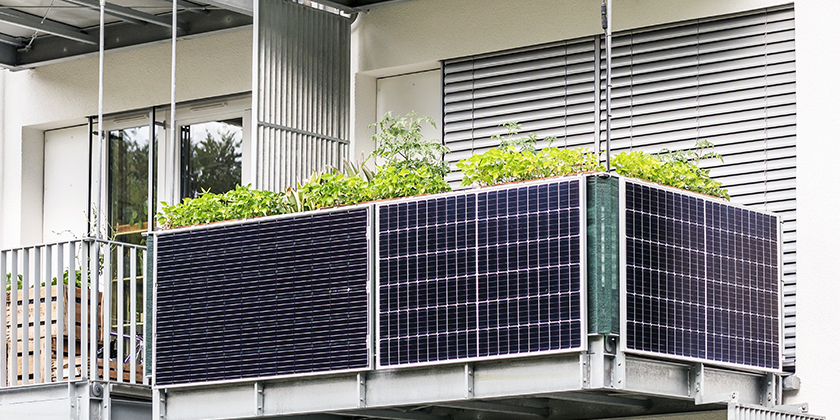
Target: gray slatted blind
(732, 82)
(549, 90)
(302, 90)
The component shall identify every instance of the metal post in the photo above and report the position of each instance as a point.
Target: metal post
(151, 199)
(173, 137)
(606, 24)
(99, 115)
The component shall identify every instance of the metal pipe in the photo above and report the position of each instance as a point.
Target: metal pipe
(99, 115)
(173, 137)
(151, 204)
(606, 23)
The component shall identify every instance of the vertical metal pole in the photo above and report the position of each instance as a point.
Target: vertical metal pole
(173, 136)
(151, 199)
(606, 23)
(99, 212)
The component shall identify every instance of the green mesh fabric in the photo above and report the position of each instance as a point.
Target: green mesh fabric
(602, 254)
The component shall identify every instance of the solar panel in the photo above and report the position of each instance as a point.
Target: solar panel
(702, 278)
(260, 299)
(480, 273)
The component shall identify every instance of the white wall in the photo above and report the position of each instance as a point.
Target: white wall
(416, 35)
(818, 201)
(63, 94)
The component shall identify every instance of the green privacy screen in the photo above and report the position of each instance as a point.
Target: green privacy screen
(602, 254)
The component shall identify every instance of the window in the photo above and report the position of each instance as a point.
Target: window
(128, 182)
(211, 157)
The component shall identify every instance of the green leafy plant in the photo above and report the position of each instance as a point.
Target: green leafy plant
(393, 182)
(239, 203)
(332, 188)
(678, 169)
(400, 144)
(516, 159)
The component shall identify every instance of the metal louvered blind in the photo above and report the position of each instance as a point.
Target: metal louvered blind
(732, 82)
(302, 103)
(729, 80)
(548, 90)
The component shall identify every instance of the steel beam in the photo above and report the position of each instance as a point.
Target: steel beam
(396, 415)
(245, 7)
(496, 408)
(122, 35)
(125, 13)
(10, 40)
(192, 7)
(601, 399)
(25, 20)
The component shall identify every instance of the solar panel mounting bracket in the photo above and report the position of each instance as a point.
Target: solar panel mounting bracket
(361, 387)
(697, 376)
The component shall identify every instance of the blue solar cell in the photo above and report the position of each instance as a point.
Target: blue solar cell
(501, 272)
(702, 278)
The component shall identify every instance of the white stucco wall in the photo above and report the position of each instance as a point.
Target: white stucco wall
(64, 94)
(818, 201)
(416, 35)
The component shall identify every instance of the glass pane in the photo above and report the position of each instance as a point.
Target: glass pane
(211, 157)
(128, 183)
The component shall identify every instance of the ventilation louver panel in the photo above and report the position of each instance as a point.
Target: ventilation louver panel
(482, 273)
(261, 299)
(702, 279)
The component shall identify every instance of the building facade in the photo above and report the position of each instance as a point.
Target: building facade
(291, 87)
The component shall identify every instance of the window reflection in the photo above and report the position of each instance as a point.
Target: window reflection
(128, 177)
(211, 157)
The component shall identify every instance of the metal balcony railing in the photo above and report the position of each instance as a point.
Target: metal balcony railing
(72, 310)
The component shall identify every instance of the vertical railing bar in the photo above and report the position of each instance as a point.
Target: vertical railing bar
(93, 286)
(13, 371)
(24, 321)
(85, 283)
(4, 358)
(120, 330)
(48, 326)
(60, 311)
(146, 326)
(106, 311)
(132, 312)
(71, 309)
(36, 312)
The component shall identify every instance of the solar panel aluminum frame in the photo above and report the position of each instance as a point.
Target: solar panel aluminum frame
(369, 207)
(622, 263)
(581, 179)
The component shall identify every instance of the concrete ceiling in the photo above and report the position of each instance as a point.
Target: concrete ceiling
(36, 32)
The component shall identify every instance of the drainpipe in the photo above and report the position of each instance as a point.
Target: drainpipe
(100, 122)
(606, 24)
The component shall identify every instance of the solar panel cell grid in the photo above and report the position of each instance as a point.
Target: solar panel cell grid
(268, 298)
(702, 279)
(480, 274)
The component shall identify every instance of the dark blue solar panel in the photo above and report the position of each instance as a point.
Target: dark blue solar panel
(265, 298)
(702, 278)
(480, 274)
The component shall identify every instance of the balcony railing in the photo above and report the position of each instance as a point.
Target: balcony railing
(73, 310)
(503, 272)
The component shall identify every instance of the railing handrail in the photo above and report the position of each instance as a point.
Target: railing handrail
(75, 240)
